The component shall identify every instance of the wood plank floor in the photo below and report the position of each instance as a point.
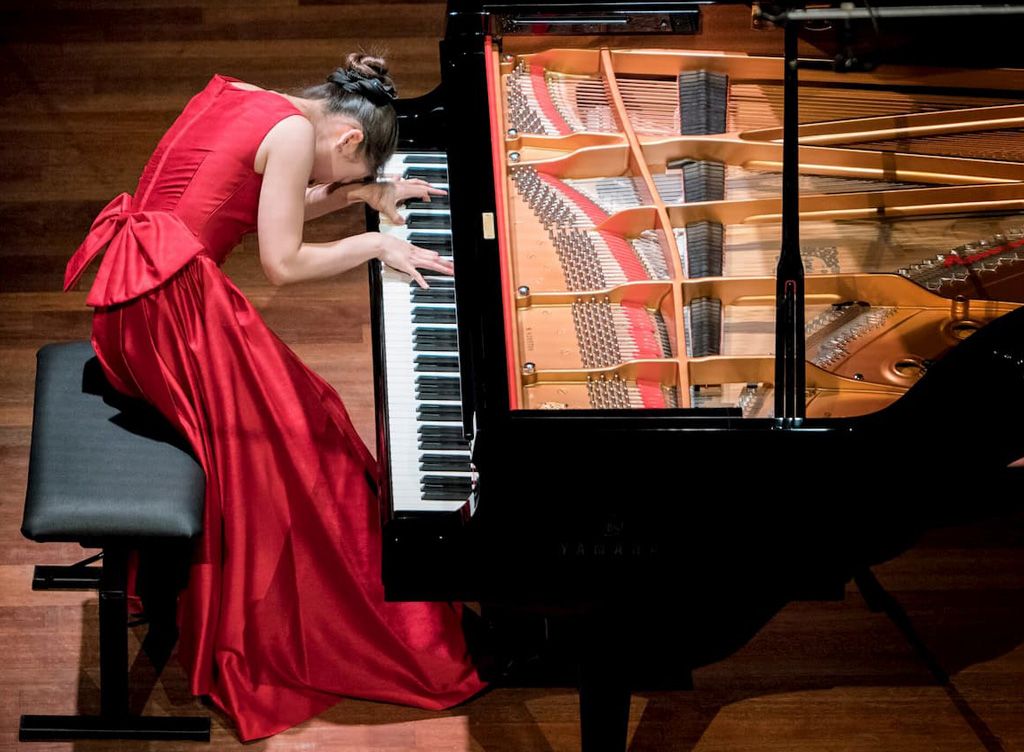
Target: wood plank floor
(85, 92)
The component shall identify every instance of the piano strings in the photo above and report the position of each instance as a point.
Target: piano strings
(705, 102)
(907, 246)
(690, 180)
(1005, 145)
(599, 260)
(593, 260)
(577, 212)
(617, 393)
(598, 332)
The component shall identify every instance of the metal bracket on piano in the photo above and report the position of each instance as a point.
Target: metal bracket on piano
(474, 494)
(597, 18)
(849, 13)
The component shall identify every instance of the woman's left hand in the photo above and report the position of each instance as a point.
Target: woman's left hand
(387, 195)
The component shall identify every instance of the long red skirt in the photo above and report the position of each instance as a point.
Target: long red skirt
(284, 611)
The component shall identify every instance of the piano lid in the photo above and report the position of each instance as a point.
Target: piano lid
(880, 32)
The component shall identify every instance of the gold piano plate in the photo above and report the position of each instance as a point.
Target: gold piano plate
(642, 199)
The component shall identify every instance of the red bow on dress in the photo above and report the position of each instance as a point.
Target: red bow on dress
(144, 249)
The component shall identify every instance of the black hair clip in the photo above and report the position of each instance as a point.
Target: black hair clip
(374, 89)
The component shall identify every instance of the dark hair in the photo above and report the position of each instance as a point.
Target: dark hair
(362, 89)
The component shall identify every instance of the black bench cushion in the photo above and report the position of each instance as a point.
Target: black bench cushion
(102, 465)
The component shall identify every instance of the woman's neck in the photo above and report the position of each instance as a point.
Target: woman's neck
(311, 108)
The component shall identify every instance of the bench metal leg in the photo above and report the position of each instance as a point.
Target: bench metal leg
(40, 728)
(79, 576)
(115, 721)
(114, 634)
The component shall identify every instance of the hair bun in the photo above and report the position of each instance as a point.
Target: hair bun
(365, 75)
(368, 65)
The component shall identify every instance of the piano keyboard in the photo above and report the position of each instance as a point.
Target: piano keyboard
(428, 455)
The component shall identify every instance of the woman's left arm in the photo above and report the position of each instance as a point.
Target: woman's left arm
(384, 196)
(325, 198)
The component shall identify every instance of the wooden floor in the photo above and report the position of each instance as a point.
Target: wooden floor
(86, 89)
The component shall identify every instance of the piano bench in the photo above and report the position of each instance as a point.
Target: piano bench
(109, 472)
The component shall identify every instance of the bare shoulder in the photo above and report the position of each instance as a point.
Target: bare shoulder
(292, 128)
(290, 140)
(244, 86)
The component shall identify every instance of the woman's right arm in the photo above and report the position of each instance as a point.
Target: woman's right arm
(283, 255)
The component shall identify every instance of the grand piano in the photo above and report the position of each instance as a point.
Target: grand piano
(737, 313)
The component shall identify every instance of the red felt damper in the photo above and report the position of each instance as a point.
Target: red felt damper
(643, 331)
(650, 393)
(543, 97)
(956, 260)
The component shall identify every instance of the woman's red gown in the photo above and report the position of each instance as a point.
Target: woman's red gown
(284, 611)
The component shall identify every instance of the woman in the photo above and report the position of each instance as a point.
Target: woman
(284, 610)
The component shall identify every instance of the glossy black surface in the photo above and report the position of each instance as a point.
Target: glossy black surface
(577, 505)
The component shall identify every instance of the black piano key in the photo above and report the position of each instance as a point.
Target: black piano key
(446, 493)
(443, 433)
(441, 159)
(432, 394)
(436, 202)
(435, 340)
(443, 496)
(437, 388)
(427, 172)
(444, 463)
(428, 221)
(433, 346)
(432, 294)
(439, 413)
(441, 438)
(436, 393)
(451, 481)
(435, 282)
(456, 485)
(432, 241)
(443, 333)
(424, 315)
(436, 364)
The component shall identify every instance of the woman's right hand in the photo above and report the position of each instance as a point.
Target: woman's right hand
(408, 258)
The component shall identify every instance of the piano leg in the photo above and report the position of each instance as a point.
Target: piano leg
(604, 684)
(878, 599)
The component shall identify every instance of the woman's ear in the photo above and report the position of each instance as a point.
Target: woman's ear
(348, 142)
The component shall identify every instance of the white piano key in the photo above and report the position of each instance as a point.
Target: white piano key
(404, 424)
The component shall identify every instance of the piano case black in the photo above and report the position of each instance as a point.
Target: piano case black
(675, 515)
